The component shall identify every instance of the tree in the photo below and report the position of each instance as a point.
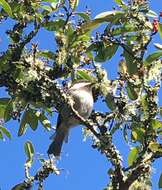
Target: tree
(34, 80)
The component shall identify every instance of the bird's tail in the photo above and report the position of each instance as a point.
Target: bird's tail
(56, 145)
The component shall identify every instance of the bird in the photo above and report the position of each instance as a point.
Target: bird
(81, 94)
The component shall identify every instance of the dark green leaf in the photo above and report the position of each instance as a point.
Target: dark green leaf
(45, 122)
(54, 25)
(20, 186)
(133, 155)
(130, 61)
(160, 29)
(105, 53)
(152, 57)
(137, 132)
(6, 7)
(29, 118)
(110, 101)
(132, 91)
(160, 181)
(161, 111)
(8, 111)
(1, 135)
(5, 131)
(29, 150)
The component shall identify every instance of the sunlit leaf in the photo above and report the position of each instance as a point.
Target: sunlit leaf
(45, 122)
(152, 14)
(158, 46)
(133, 155)
(47, 54)
(3, 105)
(6, 7)
(84, 15)
(155, 147)
(84, 75)
(73, 4)
(5, 131)
(152, 57)
(29, 150)
(160, 29)
(156, 124)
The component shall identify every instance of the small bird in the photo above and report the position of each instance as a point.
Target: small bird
(81, 93)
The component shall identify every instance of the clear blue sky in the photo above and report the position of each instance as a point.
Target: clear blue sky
(83, 167)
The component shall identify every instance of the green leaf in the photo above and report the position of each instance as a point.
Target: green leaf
(3, 105)
(160, 181)
(8, 111)
(155, 147)
(84, 75)
(133, 155)
(121, 3)
(6, 7)
(29, 118)
(29, 150)
(152, 14)
(160, 29)
(47, 54)
(54, 25)
(156, 124)
(84, 15)
(5, 131)
(1, 135)
(161, 111)
(20, 186)
(47, 8)
(152, 57)
(44, 121)
(131, 62)
(110, 101)
(105, 53)
(132, 91)
(138, 132)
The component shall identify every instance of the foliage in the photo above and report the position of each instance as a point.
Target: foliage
(34, 80)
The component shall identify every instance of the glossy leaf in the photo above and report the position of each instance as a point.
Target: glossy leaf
(45, 122)
(73, 4)
(160, 181)
(47, 54)
(155, 147)
(138, 132)
(133, 155)
(160, 29)
(29, 150)
(3, 105)
(5, 131)
(158, 46)
(6, 7)
(152, 14)
(54, 25)
(130, 61)
(120, 3)
(132, 91)
(152, 57)
(84, 75)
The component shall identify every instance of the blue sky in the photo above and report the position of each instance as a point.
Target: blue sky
(82, 167)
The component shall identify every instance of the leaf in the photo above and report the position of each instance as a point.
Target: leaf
(133, 154)
(3, 105)
(132, 91)
(45, 122)
(84, 15)
(160, 181)
(1, 135)
(137, 132)
(152, 14)
(73, 4)
(131, 62)
(8, 111)
(160, 29)
(156, 124)
(20, 186)
(158, 46)
(121, 3)
(6, 7)
(47, 8)
(152, 57)
(161, 111)
(29, 118)
(47, 54)
(5, 131)
(29, 150)
(84, 75)
(105, 53)
(54, 25)
(110, 101)
(155, 147)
